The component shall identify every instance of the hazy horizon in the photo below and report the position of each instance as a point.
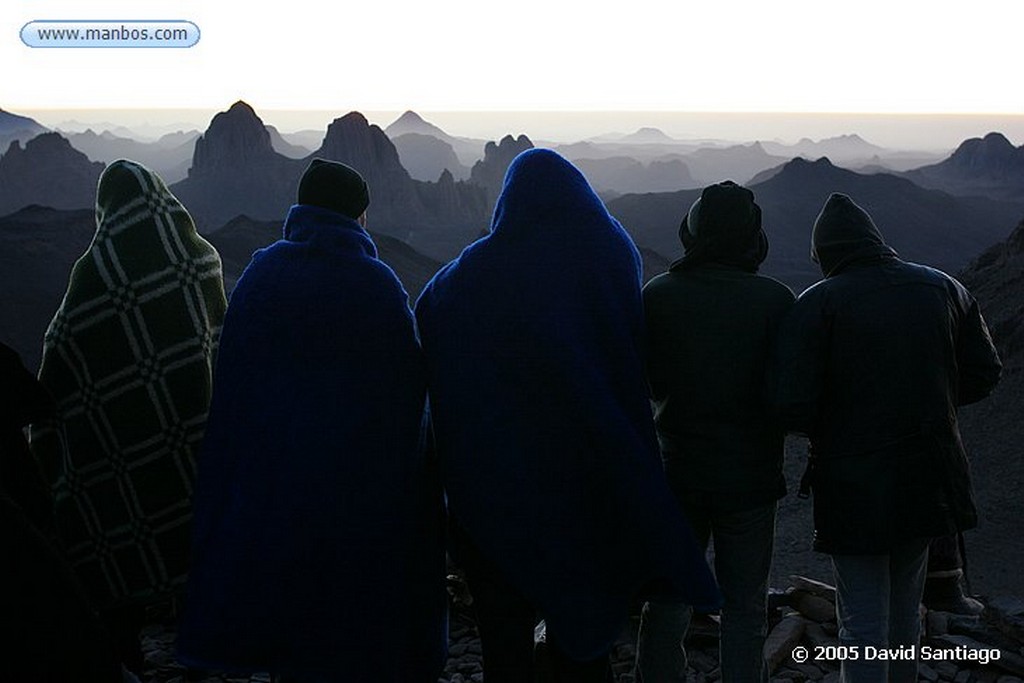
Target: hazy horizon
(925, 132)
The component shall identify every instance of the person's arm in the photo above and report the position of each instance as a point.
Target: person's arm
(798, 370)
(978, 362)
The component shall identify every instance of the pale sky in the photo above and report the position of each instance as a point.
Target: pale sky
(449, 55)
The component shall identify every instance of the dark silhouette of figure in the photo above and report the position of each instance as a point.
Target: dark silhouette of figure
(318, 548)
(49, 631)
(873, 362)
(128, 359)
(711, 322)
(533, 338)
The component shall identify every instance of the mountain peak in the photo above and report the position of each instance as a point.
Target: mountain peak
(992, 155)
(648, 134)
(410, 117)
(235, 138)
(411, 122)
(352, 140)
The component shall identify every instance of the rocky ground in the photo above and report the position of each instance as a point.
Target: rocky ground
(803, 615)
(801, 646)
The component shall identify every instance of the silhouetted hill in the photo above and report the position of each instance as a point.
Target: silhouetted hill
(840, 149)
(992, 429)
(16, 127)
(646, 136)
(923, 225)
(625, 174)
(411, 122)
(235, 171)
(426, 156)
(38, 246)
(489, 172)
(467, 150)
(352, 140)
(282, 146)
(48, 171)
(989, 166)
(170, 156)
(739, 163)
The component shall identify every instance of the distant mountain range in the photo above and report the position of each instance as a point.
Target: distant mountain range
(467, 150)
(928, 226)
(15, 127)
(238, 169)
(170, 155)
(47, 171)
(989, 166)
(38, 246)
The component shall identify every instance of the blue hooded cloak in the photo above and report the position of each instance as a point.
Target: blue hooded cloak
(317, 545)
(533, 339)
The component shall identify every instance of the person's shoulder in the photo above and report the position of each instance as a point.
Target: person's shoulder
(774, 288)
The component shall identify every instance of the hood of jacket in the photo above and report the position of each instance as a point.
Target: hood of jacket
(723, 226)
(843, 234)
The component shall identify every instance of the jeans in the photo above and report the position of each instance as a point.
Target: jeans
(877, 604)
(743, 557)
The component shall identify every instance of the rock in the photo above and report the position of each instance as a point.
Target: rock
(816, 636)
(1007, 661)
(817, 588)
(1007, 614)
(937, 623)
(832, 677)
(946, 670)
(777, 599)
(781, 641)
(926, 672)
(813, 607)
(973, 627)
(810, 671)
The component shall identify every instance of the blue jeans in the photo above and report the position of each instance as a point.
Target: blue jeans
(743, 559)
(877, 604)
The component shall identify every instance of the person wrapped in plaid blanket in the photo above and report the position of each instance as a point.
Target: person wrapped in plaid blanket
(128, 359)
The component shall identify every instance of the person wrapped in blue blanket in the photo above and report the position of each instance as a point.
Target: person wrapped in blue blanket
(318, 548)
(560, 508)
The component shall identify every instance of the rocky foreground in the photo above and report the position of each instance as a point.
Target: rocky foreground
(801, 646)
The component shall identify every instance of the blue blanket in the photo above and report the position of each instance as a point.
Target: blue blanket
(318, 541)
(533, 338)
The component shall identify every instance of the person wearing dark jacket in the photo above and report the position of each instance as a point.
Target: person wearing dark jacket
(533, 339)
(318, 541)
(711, 321)
(873, 362)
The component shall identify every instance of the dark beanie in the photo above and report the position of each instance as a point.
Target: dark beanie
(335, 186)
(724, 225)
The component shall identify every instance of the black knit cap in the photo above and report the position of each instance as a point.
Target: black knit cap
(723, 225)
(335, 186)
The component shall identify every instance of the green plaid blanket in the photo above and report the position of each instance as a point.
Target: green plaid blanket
(128, 359)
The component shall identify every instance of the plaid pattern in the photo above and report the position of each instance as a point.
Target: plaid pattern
(128, 358)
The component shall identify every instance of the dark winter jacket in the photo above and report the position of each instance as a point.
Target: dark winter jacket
(711, 321)
(710, 330)
(873, 362)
